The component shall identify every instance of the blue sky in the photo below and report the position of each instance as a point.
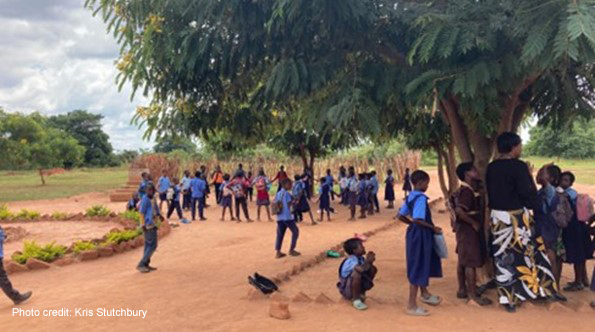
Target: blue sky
(56, 57)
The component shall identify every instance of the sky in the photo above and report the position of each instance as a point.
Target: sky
(56, 57)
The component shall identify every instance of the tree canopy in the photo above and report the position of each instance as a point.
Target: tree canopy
(373, 67)
(86, 128)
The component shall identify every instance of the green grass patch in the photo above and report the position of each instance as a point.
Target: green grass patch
(47, 253)
(131, 215)
(27, 214)
(26, 185)
(98, 211)
(82, 246)
(5, 213)
(59, 215)
(121, 236)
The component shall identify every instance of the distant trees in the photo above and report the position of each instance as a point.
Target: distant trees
(86, 128)
(577, 141)
(170, 143)
(27, 142)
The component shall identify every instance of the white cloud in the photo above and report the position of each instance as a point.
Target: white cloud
(57, 57)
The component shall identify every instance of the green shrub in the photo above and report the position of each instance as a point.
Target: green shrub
(131, 215)
(59, 215)
(47, 253)
(29, 215)
(98, 211)
(82, 246)
(121, 236)
(5, 213)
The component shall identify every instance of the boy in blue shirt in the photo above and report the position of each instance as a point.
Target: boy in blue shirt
(422, 260)
(198, 187)
(375, 187)
(5, 284)
(185, 184)
(142, 188)
(162, 185)
(286, 220)
(174, 202)
(356, 273)
(147, 221)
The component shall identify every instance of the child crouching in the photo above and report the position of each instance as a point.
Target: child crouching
(356, 273)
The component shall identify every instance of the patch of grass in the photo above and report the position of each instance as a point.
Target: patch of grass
(26, 185)
(131, 215)
(82, 246)
(27, 214)
(98, 211)
(121, 236)
(59, 215)
(5, 213)
(47, 253)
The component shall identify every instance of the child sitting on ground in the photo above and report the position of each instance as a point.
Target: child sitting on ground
(356, 273)
(132, 204)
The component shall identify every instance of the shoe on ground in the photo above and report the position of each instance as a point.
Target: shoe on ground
(143, 269)
(23, 297)
(152, 268)
(294, 253)
(280, 255)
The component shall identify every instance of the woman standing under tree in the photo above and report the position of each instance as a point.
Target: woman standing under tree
(522, 269)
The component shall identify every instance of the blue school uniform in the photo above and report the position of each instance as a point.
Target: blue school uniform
(389, 191)
(1, 243)
(422, 260)
(325, 200)
(362, 196)
(146, 209)
(375, 185)
(198, 187)
(329, 179)
(142, 188)
(163, 184)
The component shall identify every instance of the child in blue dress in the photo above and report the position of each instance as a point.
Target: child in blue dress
(422, 260)
(362, 195)
(324, 199)
(389, 190)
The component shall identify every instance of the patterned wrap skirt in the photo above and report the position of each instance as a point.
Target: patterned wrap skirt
(522, 268)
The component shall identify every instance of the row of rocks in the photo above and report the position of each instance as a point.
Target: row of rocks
(113, 217)
(104, 251)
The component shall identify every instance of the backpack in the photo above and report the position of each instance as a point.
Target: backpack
(563, 212)
(170, 194)
(261, 184)
(238, 189)
(277, 206)
(584, 207)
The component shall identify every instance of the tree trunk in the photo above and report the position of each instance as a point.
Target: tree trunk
(442, 182)
(303, 155)
(458, 131)
(451, 168)
(42, 178)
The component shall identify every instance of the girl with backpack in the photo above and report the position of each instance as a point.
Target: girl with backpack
(238, 186)
(576, 236)
(262, 185)
(226, 197)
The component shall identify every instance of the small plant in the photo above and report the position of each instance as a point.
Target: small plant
(47, 253)
(59, 215)
(27, 214)
(121, 236)
(98, 211)
(131, 215)
(82, 246)
(5, 213)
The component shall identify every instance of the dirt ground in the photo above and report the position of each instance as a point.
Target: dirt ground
(202, 279)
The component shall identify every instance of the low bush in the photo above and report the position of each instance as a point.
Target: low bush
(27, 214)
(47, 253)
(82, 246)
(131, 215)
(5, 213)
(98, 211)
(121, 236)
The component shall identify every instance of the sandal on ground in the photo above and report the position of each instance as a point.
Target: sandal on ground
(280, 255)
(419, 311)
(573, 287)
(359, 305)
(294, 253)
(482, 301)
(431, 300)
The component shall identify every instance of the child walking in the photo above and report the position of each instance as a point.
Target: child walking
(262, 184)
(226, 197)
(356, 273)
(5, 284)
(324, 200)
(174, 201)
(406, 183)
(148, 211)
(389, 190)
(286, 220)
(469, 233)
(422, 260)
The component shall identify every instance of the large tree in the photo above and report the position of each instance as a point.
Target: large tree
(86, 128)
(481, 66)
(577, 141)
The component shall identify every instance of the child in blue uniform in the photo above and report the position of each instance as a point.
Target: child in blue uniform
(356, 273)
(362, 195)
(422, 260)
(389, 190)
(148, 211)
(324, 199)
(5, 284)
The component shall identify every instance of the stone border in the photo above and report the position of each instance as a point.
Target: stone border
(103, 251)
(69, 217)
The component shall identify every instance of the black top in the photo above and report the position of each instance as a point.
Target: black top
(510, 185)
